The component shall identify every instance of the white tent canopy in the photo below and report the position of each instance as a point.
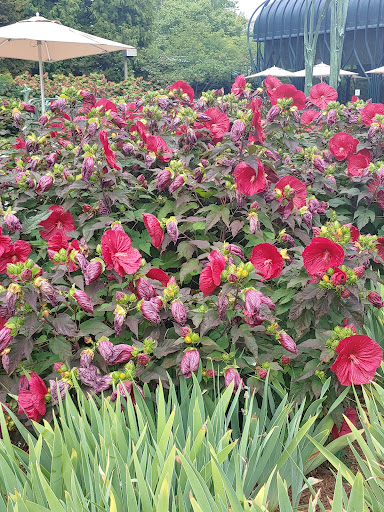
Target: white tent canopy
(44, 40)
(322, 70)
(273, 71)
(377, 71)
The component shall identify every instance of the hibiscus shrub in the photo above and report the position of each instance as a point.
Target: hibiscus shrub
(232, 236)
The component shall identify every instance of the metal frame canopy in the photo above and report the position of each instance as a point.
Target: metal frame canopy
(43, 40)
(276, 38)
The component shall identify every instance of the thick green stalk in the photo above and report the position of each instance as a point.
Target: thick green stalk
(339, 10)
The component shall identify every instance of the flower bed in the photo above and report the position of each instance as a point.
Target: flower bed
(229, 236)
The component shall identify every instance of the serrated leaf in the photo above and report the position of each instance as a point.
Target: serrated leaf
(31, 223)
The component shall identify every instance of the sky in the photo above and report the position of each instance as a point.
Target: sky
(248, 6)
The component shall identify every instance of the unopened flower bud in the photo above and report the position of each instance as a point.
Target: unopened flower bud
(287, 342)
(83, 301)
(45, 183)
(273, 113)
(179, 312)
(172, 230)
(375, 299)
(12, 222)
(189, 363)
(232, 375)
(143, 359)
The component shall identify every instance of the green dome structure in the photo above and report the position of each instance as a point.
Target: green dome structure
(276, 37)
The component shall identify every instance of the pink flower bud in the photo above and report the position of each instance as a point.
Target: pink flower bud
(288, 239)
(190, 363)
(87, 168)
(345, 293)
(83, 301)
(184, 331)
(287, 342)
(163, 179)
(232, 278)
(114, 354)
(273, 113)
(319, 164)
(331, 117)
(232, 375)
(118, 322)
(307, 218)
(176, 184)
(92, 272)
(150, 311)
(211, 373)
(254, 224)
(144, 289)
(5, 338)
(235, 250)
(12, 222)
(223, 304)
(179, 312)
(143, 359)
(28, 107)
(262, 373)
(26, 274)
(58, 388)
(375, 299)
(285, 360)
(88, 97)
(359, 271)
(51, 160)
(47, 291)
(45, 183)
(92, 129)
(173, 231)
(237, 130)
(118, 121)
(58, 367)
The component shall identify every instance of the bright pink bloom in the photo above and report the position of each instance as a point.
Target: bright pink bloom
(159, 147)
(267, 261)
(338, 277)
(141, 129)
(289, 91)
(358, 358)
(104, 105)
(158, 275)
(14, 253)
(238, 87)
(271, 83)
(154, 229)
(351, 414)
(322, 254)
(218, 125)
(58, 222)
(118, 253)
(109, 154)
(297, 193)
(355, 233)
(248, 180)
(31, 397)
(321, 94)
(341, 145)
(357, 164)
(184, 87)
(369, 112)
(5, 242)
(308, 116)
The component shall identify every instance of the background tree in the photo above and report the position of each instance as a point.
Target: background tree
(10, 12)
(202, 42)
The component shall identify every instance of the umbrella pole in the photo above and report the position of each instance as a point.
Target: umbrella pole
(41, 78)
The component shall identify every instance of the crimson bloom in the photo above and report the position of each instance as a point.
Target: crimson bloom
(5, 242)
(31, 397)
(184, 87)
(267, 261)
(321, 94)
(154, 229)
(14, 253)
(358, 358)
(248, 180)
(109, 154)
(210, 277)
(369, 112)
(158, 275)
(351, 414)
(322, 254)
(297, 192)
(58, 242)
(256, 122)
(357, 164)
(271, 83)
(218, 124)
(58, 222)
(238, 87)
(341, 145)
(159, 147)
(308, 116)
(289, 91)
(118, 253)
(380, 247)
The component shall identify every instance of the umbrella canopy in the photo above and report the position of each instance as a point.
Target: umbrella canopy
(321, 70)
(44, 40)
(377, 71)
(273, 71)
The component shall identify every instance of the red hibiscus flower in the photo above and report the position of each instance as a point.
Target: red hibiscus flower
(5, 242)
(248, 180)
(256, 122)
(338, 277)
(118, 254)
(380, 247)
(289, 91)
(322, 254)
(355, 233)
(104, 105)
(293, 190)
(358, 358)
(210, 277)
(109, 154)
(141, 129)
(341, 145)
(369, 112)
(20, 144)
(19, 251)
(184, 87)
(58, 242)
(345, 428)
(218, 125)
(308, 116)
(159, 147)
(154, 229)
(357, 164)
(158, 275)
(58, 222)
(271, 83)
(321, 94)
(238, 87)
(267, 261)
(31, 397)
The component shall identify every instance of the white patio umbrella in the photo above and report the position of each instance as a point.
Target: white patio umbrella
(44, 40)
(377, 71)
(273, 71)
(322, 70)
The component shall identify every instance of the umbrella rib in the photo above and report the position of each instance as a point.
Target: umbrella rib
(48, 54)
(6, 41)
